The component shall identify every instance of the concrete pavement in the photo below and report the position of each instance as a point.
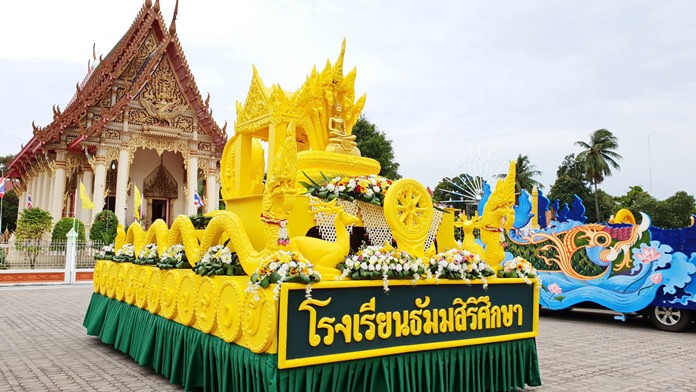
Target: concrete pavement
(43, 347)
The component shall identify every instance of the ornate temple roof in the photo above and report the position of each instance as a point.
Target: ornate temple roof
(118, 68)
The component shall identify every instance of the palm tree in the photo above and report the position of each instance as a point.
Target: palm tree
(598, 158)
(524, 175)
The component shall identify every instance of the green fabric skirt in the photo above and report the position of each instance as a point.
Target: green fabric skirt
(194, 359)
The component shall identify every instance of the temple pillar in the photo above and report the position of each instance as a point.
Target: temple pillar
(212, 188)
(99, 183)
(39, 202)
(58, 189)
(85, 215)
(122, 186)
(45, 195)
(192, 180)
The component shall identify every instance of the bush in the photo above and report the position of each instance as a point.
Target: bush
(61, 229)
(104, 227)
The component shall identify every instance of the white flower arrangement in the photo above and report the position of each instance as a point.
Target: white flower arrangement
(125, 253)
(174, 257)
(518, 268)
(283, 266)
(370, 189)
(218, 260)
(460, 264)
(105, 253)
(175, 252)
(375, 262)
(148, 251)
(217, 253)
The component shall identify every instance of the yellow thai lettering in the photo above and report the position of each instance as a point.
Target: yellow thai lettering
(384, 325)
(314, 339)
(401, 323)
(367, 320)
(518, 308)
(446, 320)
(459, 315)
(345, 328)
(326, 323)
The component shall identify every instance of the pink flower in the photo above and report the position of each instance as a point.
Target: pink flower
(656, 278)
(555, 289)
(648, 255)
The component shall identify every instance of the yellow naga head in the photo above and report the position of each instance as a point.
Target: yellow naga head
(499, 209)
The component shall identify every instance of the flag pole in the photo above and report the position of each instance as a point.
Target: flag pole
(74, 222)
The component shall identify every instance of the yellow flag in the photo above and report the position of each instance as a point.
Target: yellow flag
(86, 202)
(138, 202)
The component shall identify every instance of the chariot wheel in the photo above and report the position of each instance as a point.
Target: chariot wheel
(408, 211)
(230, 303)
(186, 299)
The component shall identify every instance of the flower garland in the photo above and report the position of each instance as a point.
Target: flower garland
(218, 260)
(375, 262)
(501, 234)
(460, 264)
(174, 257)
(518, 268)
(283, 266)
(370, 189)
(126, 253)
(148, 255)
(105, 253)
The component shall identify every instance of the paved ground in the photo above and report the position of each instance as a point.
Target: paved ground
(43, 347)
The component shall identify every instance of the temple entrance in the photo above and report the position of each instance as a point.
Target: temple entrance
(110, 203)
(160, 210)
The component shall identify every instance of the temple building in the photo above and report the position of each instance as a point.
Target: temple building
(136, 120)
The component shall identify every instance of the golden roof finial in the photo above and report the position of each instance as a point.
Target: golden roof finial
(157, 6)
(148, 3)
(338, 67)
(172, 26)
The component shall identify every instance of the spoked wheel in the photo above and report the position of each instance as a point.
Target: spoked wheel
(670, 319)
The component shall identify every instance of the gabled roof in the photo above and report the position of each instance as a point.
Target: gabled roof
(101, 79)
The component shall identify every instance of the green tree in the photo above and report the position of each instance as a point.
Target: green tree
(570, 181)
(462, 191)
(10, 204)
(31, 226)
(598, 158)
(10, 201)
(104, 227)
(675, 211)
(524, 176)
(374, 144)
(637, 200)
(61, 229)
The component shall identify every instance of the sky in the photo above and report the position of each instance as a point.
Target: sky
(457, 86)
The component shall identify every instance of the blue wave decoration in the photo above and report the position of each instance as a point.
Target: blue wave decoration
(542, 207)
(577, 210)
(555, 206)
(484, 197)
(656, 276)
(523, 210)
(562, 214)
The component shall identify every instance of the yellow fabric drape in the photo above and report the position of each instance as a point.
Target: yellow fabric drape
(84, 198)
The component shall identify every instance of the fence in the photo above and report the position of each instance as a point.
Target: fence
(46, 255)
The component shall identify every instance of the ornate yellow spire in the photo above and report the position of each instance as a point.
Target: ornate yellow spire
(338, 67)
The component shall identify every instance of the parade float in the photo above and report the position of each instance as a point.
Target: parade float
(320, 274)
(626, 265)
